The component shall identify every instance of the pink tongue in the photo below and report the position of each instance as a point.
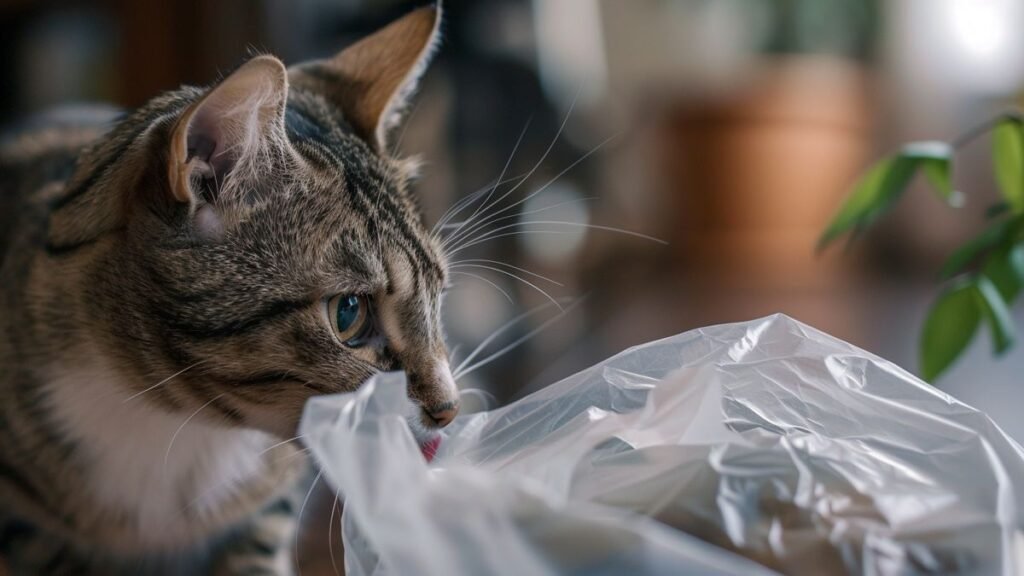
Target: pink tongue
(429, 448)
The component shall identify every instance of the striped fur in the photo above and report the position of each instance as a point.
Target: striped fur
(162, 325)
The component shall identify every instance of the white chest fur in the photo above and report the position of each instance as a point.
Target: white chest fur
(135, 471)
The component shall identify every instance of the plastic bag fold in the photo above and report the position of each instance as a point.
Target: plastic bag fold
(761, 447)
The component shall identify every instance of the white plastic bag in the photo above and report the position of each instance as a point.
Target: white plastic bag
(766, 441)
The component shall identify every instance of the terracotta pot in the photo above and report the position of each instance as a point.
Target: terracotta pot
(754, 177)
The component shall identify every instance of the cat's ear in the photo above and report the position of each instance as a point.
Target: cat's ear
(372, 80)
(235, 124)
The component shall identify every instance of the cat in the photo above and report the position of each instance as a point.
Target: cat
(176, 287)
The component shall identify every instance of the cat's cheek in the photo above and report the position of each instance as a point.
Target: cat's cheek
(208, 224)
(280, 417)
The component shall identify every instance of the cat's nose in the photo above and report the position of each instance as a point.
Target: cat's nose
(443, 416)
(434, 389)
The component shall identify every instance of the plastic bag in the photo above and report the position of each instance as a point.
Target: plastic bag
(763, 441)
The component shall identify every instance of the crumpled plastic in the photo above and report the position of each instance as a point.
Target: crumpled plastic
(762, 447)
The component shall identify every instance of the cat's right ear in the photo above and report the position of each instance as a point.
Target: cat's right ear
(372, 80)
(228, 132)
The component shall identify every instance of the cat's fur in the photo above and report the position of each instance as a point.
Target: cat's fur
(163, 316)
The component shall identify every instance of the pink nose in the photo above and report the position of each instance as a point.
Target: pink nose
(444, 416)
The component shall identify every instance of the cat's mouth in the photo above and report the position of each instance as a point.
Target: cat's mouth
(429, 447)
(428, 439)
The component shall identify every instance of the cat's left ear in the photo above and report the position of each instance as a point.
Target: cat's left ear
(372, 80)
(234, 125)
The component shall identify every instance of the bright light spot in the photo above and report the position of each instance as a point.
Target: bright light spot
(980, 27)
(928, 149)
(476, 307)
(554, 243)
(570, 49)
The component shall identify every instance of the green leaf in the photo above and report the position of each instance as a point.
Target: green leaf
(1005, 269)
(1008, 158)
(949, 328)
(935, 159)
(876, 191)
(937, 171)
(974, 247)
(997, 313)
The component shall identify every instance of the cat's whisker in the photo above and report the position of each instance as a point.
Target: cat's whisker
(487, 399)
(282, 443)
(462, 204)
(517, 277)
(528, 213)
(490, 192)
(538, 191)
(298, 522)
(164, 381)
(470, 261)
(167, 454)
(453, 352)
(503, 170)
(490, 237)
(505, 350)
(557, 223)
(497, 333)
(482, 279)
(543, 157)
(297, 452)
(445, 220)
(192, 503)
(330, 535)
(546, 208)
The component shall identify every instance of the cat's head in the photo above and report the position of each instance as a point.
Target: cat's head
(269, 246)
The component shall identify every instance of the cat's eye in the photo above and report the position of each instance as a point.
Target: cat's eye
(351, 319)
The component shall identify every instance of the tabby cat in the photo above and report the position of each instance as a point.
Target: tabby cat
(176, 287)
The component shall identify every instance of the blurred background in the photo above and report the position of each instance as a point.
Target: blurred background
(728, 129)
